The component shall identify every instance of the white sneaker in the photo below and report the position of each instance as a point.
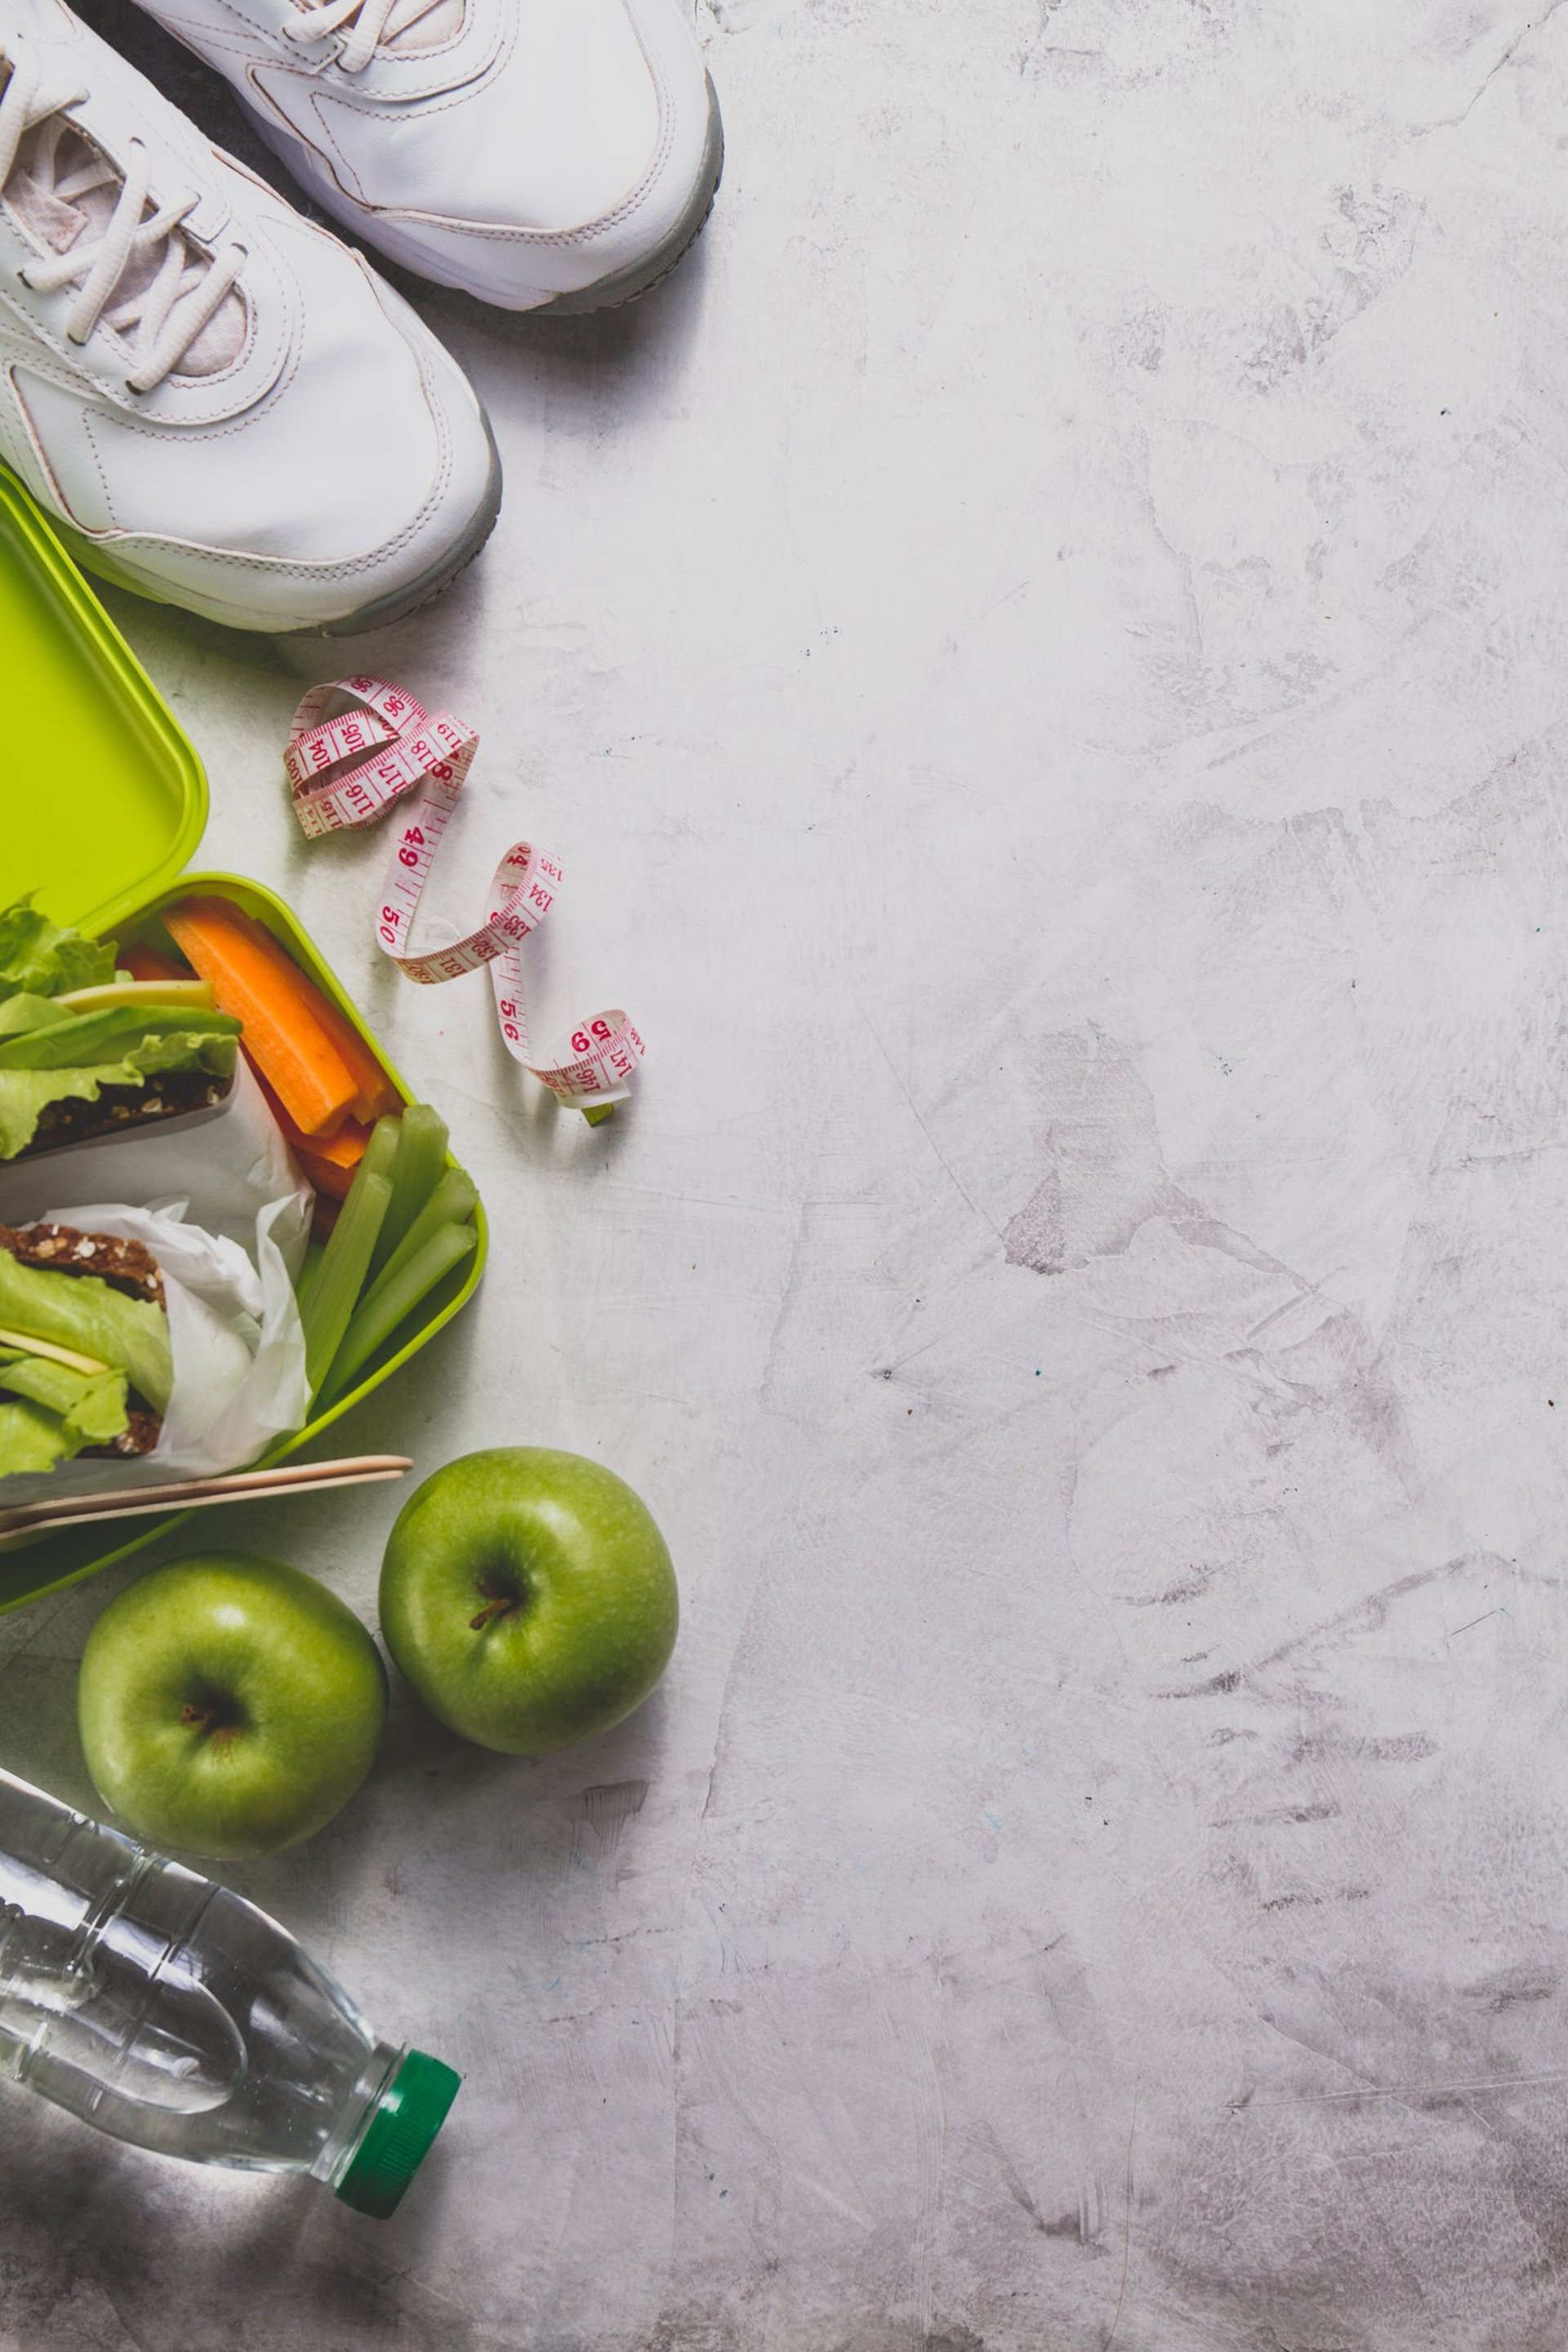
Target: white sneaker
(223, 406)
(555, 155)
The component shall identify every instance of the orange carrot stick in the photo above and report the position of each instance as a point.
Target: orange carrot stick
(143, 962)
(328, 1176)
(344, 1148)
(374, 1093)
(377, 1097)
(254, 980)
(341, 1151)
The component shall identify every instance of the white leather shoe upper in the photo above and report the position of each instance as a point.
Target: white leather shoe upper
(520, 149)
(222, 403)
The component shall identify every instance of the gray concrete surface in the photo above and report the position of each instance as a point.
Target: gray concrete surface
(1041, 651)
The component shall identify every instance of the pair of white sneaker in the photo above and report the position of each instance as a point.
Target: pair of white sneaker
(223, 406)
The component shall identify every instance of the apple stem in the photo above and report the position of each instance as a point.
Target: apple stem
(499, 1607)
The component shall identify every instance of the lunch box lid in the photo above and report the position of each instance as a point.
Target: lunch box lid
(104, 797)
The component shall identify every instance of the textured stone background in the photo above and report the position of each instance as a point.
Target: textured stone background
(1041, 652)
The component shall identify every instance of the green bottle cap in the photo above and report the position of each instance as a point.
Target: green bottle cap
(403, 2123)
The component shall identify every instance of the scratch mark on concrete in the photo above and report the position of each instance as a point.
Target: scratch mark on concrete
(1499, 1612)
(1127, 2224)
(1408, 2091)
(1531, 25)
(972, 1205)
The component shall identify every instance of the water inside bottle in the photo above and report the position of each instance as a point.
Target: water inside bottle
(168, 2011)
(88, 2009)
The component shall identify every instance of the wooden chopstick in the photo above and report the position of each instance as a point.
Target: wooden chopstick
(193, 1493)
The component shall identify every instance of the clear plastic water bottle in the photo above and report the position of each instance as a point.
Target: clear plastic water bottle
(172, 2013)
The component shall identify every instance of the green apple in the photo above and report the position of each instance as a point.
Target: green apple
(230, 1706)
(529, 1597)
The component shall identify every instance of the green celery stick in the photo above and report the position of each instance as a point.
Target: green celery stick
(380, 1312)
(378, 1159)
(381, 1148)
(421, 1156)
(331, 1288)
(452, 1202)
(313, 1249)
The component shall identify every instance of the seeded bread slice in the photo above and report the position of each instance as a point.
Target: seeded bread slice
(125, 1265)
(166, 1095)
(141, 1435)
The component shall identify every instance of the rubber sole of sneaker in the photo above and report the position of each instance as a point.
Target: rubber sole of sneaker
(624, 286)
(379, 614)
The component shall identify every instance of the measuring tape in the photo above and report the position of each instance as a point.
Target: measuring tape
(346, 771)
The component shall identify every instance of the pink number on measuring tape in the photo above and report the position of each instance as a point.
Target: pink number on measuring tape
(407, 750)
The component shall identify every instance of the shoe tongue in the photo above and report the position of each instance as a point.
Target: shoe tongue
(54, 220)
(49, 156)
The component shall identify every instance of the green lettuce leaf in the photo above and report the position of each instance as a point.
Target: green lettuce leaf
(31, 1438)
(93, 1408)
(214, 1052)
(45, 959)
(25, 1011)
(81, 1312)
(150, 1039)
(25, 1095)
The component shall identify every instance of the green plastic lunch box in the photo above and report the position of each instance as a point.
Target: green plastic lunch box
(89, 732)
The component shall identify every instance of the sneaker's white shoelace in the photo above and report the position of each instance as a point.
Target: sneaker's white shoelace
(162, 318)
(371, 24)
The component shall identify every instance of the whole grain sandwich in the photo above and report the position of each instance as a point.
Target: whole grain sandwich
(86, 1366)
(87, 1051)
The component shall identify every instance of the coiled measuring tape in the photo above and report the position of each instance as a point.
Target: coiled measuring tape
(346, 771)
